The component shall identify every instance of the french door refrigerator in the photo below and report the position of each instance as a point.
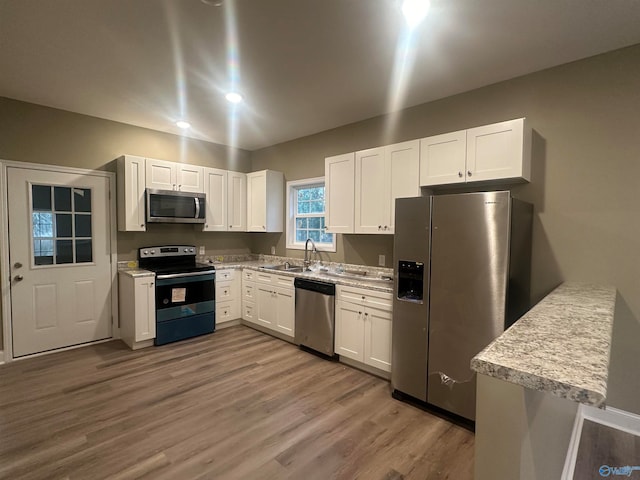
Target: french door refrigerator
(462, 274)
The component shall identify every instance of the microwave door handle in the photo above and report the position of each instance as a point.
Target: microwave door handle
(197, 207)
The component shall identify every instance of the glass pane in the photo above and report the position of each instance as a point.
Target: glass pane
(82, 199)
(317, 206)
(301, 223)
(43, 248)
(41, 197)
(304, 194)
(314, 235)
(326, 238)
(317, 193)
(301, 235)
(314, 222)
(62, 199)
(63, 225)
(64, 251)
(83, 251)
(42, 224)
(83, 225)
(303, 207)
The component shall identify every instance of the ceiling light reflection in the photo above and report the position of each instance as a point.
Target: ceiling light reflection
(182, 124)
(415, 11)
(233, 97)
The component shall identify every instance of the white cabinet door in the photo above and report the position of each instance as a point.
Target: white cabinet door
(266, 306)
(285, 317)
(161, 175)
(403, 172)
(145, 307)
(372, 205)
(497, 151)
(215, 188)
(130, 180)
(339, 178)
(237, 201)
(265, 201)
(349, 335)
(443, 159)
(377, 338)
(190, 178)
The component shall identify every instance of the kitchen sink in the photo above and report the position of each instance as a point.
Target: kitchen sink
(285, 268)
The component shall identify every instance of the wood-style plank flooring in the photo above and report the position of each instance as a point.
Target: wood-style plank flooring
(237, 404)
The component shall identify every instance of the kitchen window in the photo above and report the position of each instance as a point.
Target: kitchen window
(306, 215)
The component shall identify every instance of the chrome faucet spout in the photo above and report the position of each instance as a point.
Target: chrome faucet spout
(307, 262)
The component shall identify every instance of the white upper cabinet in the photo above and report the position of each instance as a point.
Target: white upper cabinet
(371, 191)
(164, 175)
(215, 188)
(339, 187)
(500, 151)
(265, 201)
(443, 159)
(130, 190)
(382, 175)
(237, 201)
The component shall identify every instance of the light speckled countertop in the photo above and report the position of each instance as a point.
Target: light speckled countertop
(561, 346)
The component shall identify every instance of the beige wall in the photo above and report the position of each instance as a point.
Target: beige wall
(585, 183)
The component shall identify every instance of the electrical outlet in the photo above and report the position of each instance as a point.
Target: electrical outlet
(201, 250)
(273, 250)
(381, 260)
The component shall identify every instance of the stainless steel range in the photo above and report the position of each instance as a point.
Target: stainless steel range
(185, 292)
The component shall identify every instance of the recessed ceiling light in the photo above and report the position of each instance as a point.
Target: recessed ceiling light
(415, 11)
(212, 3)
(233, 97)
(182, 124)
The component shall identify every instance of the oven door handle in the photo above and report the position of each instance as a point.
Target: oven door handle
(197, 207)
(188, 274)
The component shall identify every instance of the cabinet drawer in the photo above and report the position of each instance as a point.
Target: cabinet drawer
(249, 292)
(227, 311)
(226, 291)
(263, 277)
(248, 275)
(224, 275)
(282, 280)
(249, 311)
(362, 296)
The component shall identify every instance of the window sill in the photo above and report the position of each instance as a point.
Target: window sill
(320, 248)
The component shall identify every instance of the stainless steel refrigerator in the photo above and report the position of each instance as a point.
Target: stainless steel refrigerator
(462, 275)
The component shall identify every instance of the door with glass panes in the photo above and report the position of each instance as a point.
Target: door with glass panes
(59, 250)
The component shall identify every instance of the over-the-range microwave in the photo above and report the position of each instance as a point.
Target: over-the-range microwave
(169, 206)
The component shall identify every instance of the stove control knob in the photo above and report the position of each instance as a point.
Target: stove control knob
(186, 250)
(146, 252)
(153, 252)
(193, 250)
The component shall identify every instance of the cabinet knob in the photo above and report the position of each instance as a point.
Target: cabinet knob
(179, 187)
(142, 225)
(230, 226)
(359, 313)
(379, 227)
(469, 173)
(151, 284)
(460, 174)
(263, 227)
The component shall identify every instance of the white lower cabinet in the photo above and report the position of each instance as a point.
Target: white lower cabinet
(363, 326)
(227, 296)
(137, 299)
(268, 300)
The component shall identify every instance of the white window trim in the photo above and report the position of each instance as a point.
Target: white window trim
(291, 243)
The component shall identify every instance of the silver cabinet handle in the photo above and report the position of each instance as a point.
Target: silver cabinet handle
(18, 278)
(469, 173)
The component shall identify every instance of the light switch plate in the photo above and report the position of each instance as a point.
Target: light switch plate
(381, 260)
(273, 250)
(201, 250)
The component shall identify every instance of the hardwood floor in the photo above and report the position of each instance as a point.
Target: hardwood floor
(235, 404)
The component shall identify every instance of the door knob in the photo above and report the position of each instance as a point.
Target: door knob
(18, 278)
(17, 265)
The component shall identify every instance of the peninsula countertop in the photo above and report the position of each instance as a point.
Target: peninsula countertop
(561, 346)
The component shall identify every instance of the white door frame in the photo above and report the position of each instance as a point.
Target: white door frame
(5, 284)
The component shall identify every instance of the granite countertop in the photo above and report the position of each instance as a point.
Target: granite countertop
(136, 272)
(377, 285)
(561, 346)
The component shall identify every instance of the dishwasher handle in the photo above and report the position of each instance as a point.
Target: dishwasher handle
(315, 286)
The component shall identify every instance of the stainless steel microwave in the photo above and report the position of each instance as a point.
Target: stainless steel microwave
(168, 206)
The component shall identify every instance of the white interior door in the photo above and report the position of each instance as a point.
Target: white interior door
(59, 251)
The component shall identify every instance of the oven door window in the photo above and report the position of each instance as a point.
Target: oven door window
(183, 297)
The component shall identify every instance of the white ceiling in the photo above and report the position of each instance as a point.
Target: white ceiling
(304, 65)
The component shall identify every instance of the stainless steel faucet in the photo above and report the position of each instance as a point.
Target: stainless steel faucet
(307, 262)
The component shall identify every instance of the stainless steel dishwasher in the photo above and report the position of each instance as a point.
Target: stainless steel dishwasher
(315, 315)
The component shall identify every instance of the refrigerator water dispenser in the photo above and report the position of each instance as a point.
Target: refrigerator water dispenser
(410, 281)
